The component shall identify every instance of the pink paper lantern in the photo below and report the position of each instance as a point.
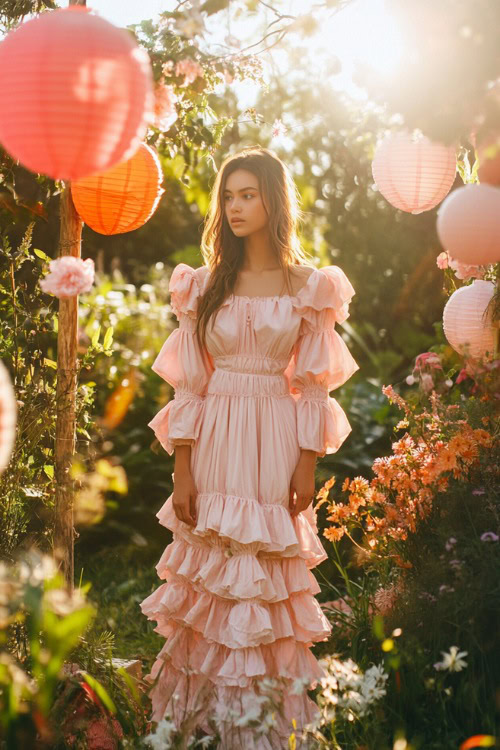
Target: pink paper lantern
(413, 173)
(468, 330)
(468, 224)
(77, 93)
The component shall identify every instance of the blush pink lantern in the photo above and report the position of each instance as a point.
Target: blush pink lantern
(412, 172)
(77, 93)
(467, 323)
(468, 224)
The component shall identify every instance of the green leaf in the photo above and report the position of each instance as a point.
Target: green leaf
(214, 6)
(42, 255)
(95, 335)
(49, 470)
(108, 338)
(101, 691)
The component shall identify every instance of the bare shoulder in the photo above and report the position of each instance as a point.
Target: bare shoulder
(299, 276)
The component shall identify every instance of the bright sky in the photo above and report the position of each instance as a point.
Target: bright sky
(361, 32)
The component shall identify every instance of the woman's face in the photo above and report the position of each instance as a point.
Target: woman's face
(243, 203)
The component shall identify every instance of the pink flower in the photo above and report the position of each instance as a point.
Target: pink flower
(189, 69)
(68, 277)
(428, 359)
(278, 128)
(465, 270)
(228, 76)
(165, 113)
(426, 382)
(462, 375)
(442, 261)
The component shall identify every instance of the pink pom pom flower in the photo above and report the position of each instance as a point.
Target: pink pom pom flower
(68, 277)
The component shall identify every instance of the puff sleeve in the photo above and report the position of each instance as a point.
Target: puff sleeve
(321, 361)
(183, 364)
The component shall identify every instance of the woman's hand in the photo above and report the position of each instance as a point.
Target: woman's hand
(184, 498)
(302, 483)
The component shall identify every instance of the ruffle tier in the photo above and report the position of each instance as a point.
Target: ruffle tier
(242, 576)
(196, 693)
(248, 526)
(236, 624)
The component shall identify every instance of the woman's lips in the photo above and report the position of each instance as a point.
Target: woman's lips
(237, 221)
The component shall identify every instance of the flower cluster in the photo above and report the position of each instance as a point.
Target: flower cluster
(428, 373)
(462, 270)
(401, 493)
(346, 689)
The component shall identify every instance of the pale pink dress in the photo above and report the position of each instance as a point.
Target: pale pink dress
(239, 599)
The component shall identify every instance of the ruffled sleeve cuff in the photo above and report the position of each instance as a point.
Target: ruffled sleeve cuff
(180, 419)
(322, 424)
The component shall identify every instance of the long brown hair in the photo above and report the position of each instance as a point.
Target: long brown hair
(223, 251)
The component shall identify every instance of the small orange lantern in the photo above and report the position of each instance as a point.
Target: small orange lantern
(412, 172)
(122, 198)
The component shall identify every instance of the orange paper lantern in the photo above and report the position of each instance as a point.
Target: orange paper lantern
(77, 93)
(466, 326)
(122, 198)
(468, 224)
(413, 173)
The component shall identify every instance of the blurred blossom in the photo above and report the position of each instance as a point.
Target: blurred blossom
(442, 261)
(278, 128)
(165, 113)
(453, 661)
(68, 277)
(465, 270)
(478, 491)
(191, 22)
(189, 69)
(450, 543)
(489, 536)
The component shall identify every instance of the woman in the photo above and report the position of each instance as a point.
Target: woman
(252, 366)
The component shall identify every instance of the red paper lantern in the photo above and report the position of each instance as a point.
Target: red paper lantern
(468, 330)
(122, 198)
(77, 93)
(468, 224)
(412, 172)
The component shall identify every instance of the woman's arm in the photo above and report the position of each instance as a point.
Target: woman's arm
(302, 483)
(184, 495)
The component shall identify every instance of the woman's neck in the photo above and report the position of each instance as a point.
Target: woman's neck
(259, 254)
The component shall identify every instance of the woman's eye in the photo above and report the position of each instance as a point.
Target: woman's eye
(249, 195)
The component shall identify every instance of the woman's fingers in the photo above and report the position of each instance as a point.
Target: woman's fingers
(302, 503)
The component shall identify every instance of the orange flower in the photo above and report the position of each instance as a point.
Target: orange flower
(334, 534)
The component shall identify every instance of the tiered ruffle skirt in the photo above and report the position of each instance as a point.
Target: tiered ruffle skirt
(238, 603)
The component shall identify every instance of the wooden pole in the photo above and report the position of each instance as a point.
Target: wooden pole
(70, 237)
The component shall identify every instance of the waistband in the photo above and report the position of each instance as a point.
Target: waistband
(239, 377)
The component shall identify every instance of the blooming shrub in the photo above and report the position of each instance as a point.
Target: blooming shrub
(423, 534)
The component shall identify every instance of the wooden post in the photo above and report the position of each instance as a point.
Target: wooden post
(70, 236)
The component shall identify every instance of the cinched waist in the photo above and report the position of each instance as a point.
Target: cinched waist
(239, 376)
